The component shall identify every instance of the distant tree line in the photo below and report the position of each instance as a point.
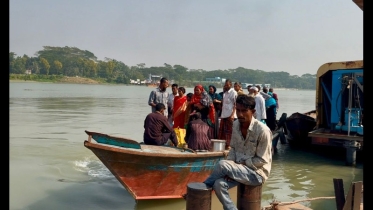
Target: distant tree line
(71, 61)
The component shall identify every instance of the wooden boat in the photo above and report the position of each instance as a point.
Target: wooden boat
(298, 125)
(152, 172)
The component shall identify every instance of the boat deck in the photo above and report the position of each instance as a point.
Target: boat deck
(174, 150)
(327, 134)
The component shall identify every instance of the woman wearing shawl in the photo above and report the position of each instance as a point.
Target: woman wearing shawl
(202, 102)
(197, 136)
(180, 105)
(217, 100)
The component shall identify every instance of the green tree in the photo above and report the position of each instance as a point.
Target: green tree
(44, 66)
(18, 65)
(35, 67)
(12, 57)
(56, 68)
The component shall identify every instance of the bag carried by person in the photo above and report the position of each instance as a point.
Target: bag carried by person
(180, 133)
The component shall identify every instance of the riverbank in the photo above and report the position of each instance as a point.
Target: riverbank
(78, 80)
(83, 80)
(65, 79)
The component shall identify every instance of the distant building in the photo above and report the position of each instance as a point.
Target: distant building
(28, 71)
(153, 79)
(244, 84)
(136, 82)
(215, 80)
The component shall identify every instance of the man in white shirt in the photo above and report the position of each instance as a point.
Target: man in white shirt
(228, 113)
(249, 161)
(260, 113)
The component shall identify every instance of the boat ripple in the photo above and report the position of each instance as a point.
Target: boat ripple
(94, 168)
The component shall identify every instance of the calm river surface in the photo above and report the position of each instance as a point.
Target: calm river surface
(51, 169)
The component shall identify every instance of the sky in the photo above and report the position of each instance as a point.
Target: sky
(295, 36)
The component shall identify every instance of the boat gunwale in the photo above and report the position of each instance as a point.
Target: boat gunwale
(142, 152)
(310, 116)
(90, 133)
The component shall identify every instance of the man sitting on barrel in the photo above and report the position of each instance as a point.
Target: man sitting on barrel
(249, 159)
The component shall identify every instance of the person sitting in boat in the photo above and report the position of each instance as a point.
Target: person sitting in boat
(197, 135)
(202, 102)
(157, 129)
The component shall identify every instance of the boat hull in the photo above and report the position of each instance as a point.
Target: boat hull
(155, 172)
(298, 126)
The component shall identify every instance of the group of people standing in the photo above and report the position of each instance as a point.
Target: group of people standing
(246, 124)
(217, 111)
(193, 111)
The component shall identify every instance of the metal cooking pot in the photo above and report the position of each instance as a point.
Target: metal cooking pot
(218, 145)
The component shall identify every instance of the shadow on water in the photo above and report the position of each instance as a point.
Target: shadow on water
(160, 204)
(328, 152)
(110, 196)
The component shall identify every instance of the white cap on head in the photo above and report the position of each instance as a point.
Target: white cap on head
(254, 88)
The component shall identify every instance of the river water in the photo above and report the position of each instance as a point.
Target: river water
(49, 168)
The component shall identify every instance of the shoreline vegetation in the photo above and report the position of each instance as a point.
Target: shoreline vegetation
(82, 80)
(54, 79)
(72, 65)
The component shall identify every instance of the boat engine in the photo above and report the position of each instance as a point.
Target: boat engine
(351, 121)
(352, 118)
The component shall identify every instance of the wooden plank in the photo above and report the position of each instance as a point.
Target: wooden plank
(353, 199)
(339, 193)
(357, 195)
(348, 203)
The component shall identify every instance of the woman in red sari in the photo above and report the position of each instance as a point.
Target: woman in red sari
(202, 102)
(180, 104)
(188, 109)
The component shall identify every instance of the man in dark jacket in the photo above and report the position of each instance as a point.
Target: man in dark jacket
(157, 129)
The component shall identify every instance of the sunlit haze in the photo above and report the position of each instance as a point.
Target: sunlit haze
(288, 35)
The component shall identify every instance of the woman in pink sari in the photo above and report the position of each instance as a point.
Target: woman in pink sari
(180, 104)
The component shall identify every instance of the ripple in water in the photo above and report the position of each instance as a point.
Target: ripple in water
(93, 168)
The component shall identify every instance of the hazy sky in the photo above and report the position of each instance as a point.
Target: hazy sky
(295, 36)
